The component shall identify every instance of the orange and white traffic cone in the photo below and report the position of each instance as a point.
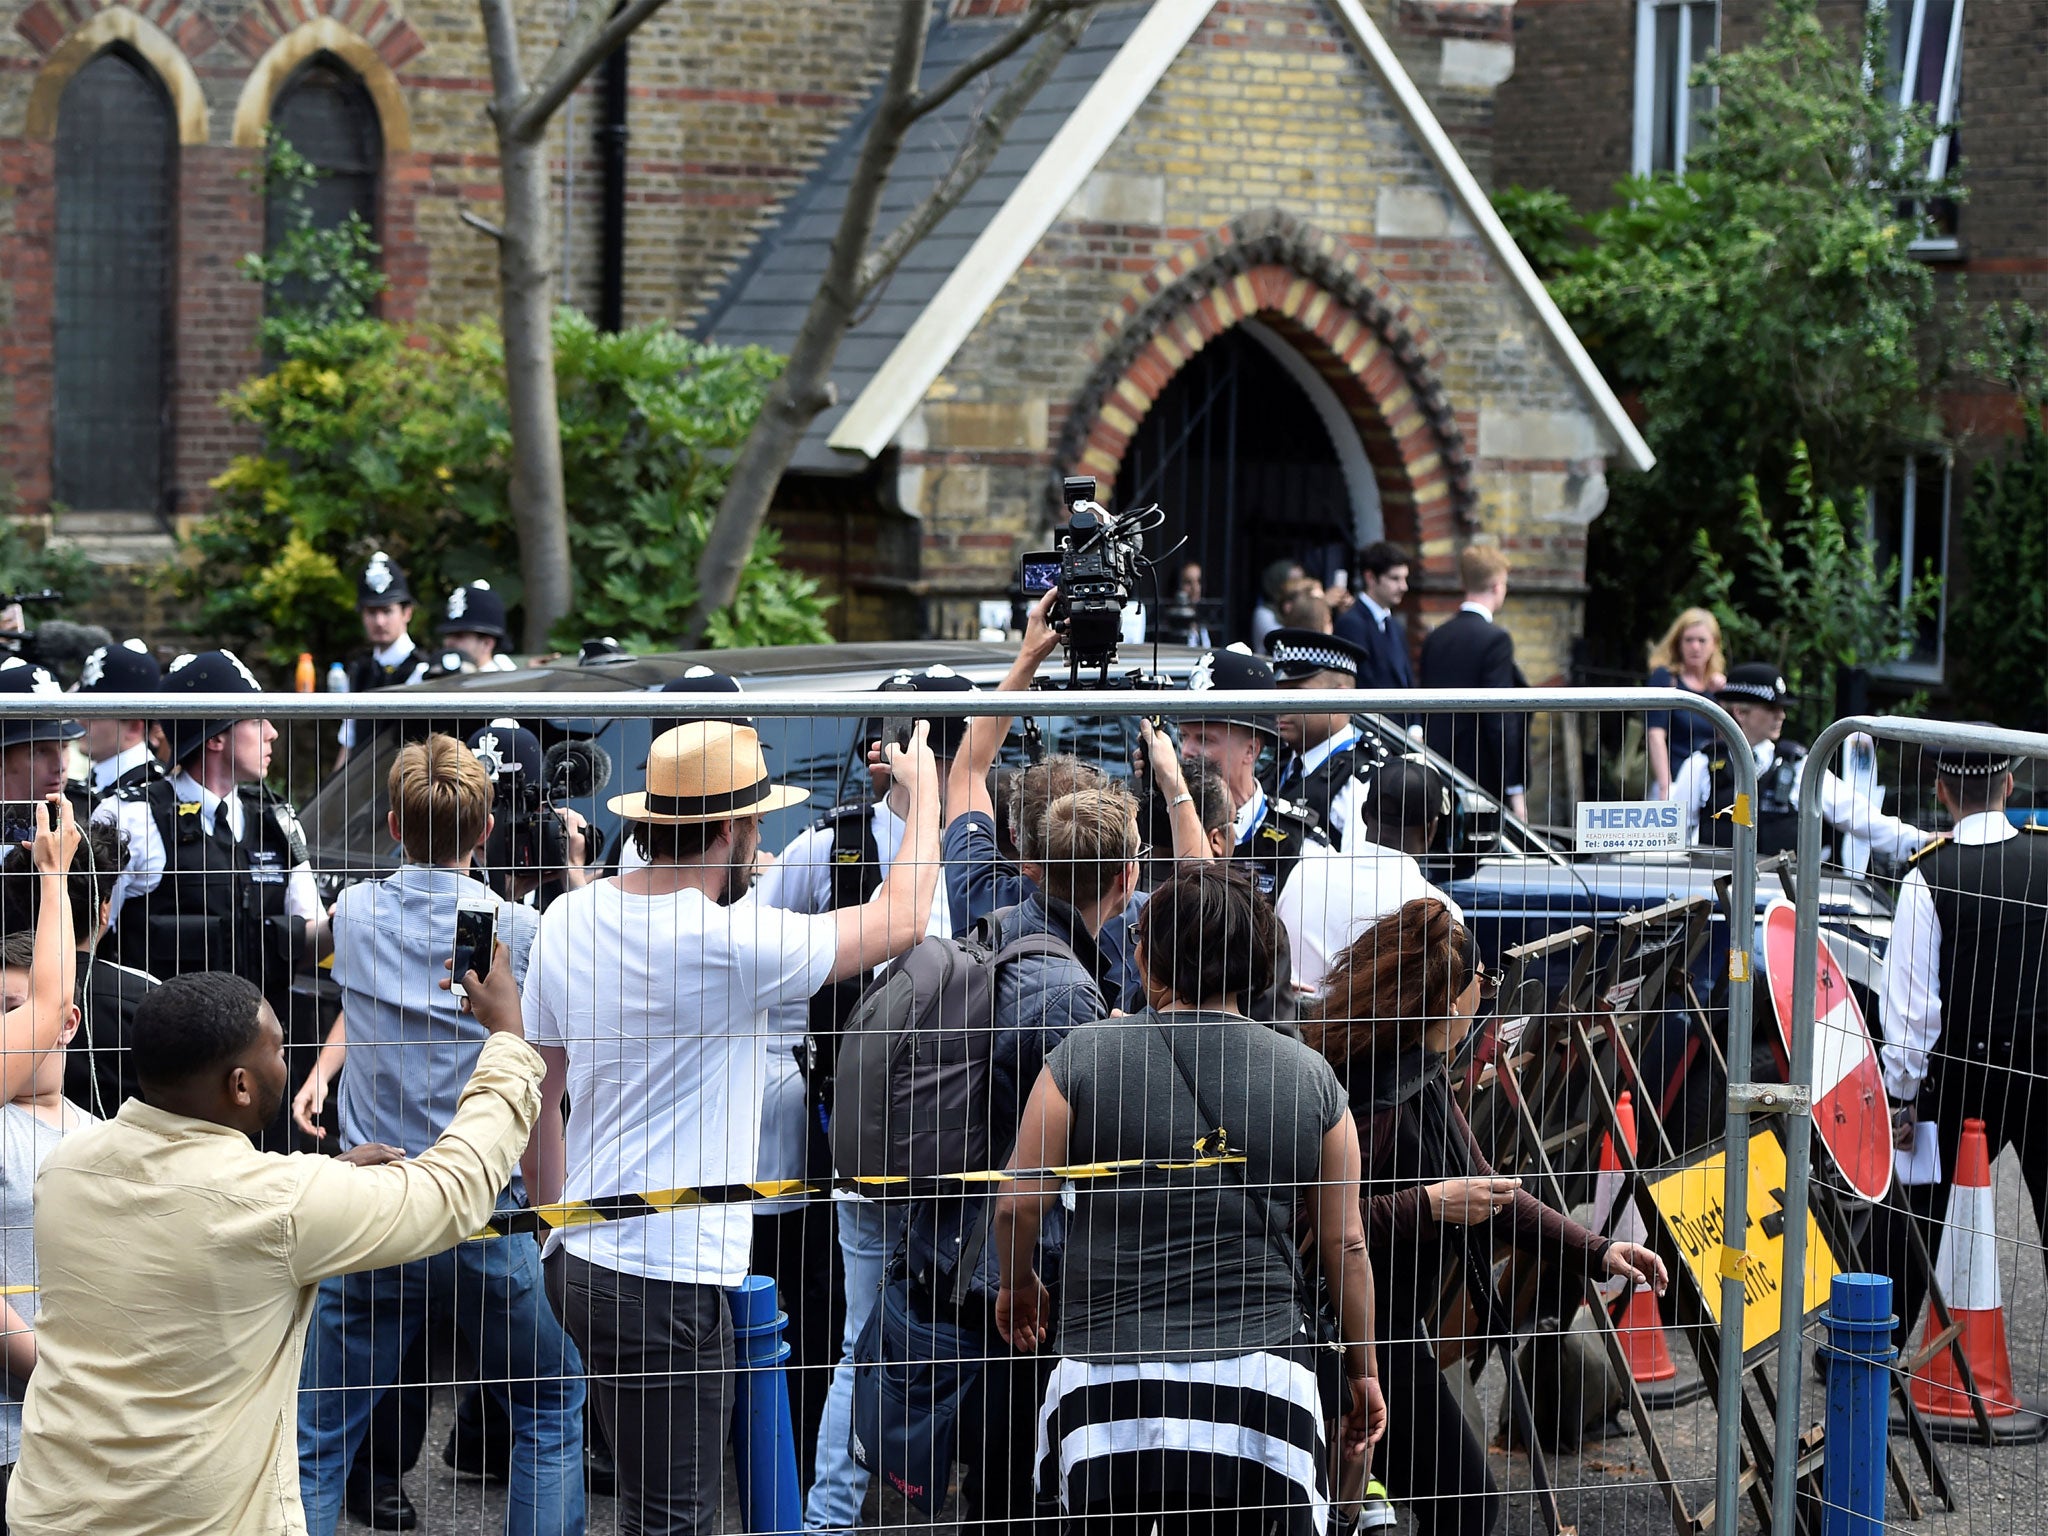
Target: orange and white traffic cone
(1966, 1271)
(1639, 1323)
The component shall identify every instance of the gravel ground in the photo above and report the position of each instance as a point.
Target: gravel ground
(1608, 1489)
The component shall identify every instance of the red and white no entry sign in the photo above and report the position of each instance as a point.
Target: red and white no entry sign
(1849, 1108)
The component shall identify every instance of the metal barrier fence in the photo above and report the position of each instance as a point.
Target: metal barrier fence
(1949, 1046)
(1595, 953)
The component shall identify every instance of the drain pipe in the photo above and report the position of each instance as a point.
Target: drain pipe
(611, 138)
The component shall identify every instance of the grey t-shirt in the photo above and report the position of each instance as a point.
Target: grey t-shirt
(25, 1140)
(1197, 1264)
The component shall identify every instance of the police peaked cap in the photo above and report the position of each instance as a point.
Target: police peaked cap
(208, 672)
(1234, 669)
(474, 609)
(1754, 682)
(698, 679)
(1971, 762)
(946, 735)
(124, 668)
(1302, 653)
(382, 583)
(23, 677)
(508, 751)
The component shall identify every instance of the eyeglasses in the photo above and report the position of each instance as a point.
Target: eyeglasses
(1489, 984)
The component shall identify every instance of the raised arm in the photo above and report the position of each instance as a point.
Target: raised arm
(895, 917)
(30, 1032)
(967, 786)
(1189, 840)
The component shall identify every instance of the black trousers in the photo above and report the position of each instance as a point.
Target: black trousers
(660, 1358)
(996, 1442)
(2011, 1100)
(1430, 1459)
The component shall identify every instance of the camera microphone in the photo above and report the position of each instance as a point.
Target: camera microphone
(575, 769)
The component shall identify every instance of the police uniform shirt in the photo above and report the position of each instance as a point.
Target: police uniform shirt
(800, 880)
(1912, 967)
(1840, 806)
(148, 858)
(390, 659)
(1344, 800)
(108, 771)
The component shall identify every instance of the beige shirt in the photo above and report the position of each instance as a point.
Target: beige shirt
(178, 1268)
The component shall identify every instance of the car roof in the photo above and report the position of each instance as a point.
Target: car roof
(856, 667)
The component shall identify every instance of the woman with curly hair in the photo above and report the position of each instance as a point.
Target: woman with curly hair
(1395, 1007)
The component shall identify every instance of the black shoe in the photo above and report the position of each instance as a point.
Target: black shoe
(382, 1507)
(600, 1475)
(472, 1456)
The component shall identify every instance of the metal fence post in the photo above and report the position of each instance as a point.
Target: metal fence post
(1805, 975)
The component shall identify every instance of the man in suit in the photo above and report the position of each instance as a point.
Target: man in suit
(1469, 650)
(1373, 623)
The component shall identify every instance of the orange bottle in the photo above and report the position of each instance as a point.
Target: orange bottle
(303, 683)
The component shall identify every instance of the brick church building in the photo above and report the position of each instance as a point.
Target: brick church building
(1237, 258)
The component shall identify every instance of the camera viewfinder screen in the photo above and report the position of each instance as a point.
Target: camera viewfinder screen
(1041, 571)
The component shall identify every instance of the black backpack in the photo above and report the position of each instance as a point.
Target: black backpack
(915, 1057)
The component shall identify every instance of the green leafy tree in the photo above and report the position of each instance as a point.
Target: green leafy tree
(1815, 600)
(313, 278)
(1766, 297)
(377, 436)
(1998, 636)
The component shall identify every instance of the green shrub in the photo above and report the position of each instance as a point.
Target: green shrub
(377, 436)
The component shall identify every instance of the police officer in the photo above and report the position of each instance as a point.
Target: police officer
(1271, 831)
(121, 749)
(1329, 758)
(472, 628)
(35, 755)
(1965, 996)
(384, 604)
(1755, 694)
(217, 878)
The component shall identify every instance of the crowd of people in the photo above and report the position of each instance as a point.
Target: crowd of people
(1231, 992)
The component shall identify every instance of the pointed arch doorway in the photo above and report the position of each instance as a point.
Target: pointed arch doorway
(1254, 459)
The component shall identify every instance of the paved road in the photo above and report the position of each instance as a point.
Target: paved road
(1608, 1490)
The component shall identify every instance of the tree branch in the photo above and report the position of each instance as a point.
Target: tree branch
(583, 47)
(1040, 16)
(980, 148)
(508, 81)
(476, 222)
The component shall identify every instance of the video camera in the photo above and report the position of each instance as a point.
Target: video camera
(530, 836)
(60, 646)
(1094, 563)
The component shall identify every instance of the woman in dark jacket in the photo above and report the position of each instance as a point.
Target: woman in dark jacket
(1394, 1008)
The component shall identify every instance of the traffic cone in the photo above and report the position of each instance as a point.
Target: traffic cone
(1640, 1324)
(1966, 1270)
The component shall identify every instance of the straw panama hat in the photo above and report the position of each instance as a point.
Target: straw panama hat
(709, 770)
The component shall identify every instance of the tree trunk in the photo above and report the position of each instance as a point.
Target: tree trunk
(526, 301)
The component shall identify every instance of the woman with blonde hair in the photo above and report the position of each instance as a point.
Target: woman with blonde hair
(1395, 1009)
(1689, 657)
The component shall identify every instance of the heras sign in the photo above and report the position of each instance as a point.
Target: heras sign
(1630, 826)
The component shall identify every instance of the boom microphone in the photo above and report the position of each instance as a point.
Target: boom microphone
(576, 769)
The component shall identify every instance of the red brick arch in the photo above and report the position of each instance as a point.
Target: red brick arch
(1353, 326)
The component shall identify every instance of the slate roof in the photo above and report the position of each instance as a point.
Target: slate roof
(763, 302)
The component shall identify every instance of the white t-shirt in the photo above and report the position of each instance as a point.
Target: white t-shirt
(1328, 901)
(661, 1003)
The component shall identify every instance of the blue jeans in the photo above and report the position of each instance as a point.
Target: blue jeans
(868, 1234)
(491, 1293)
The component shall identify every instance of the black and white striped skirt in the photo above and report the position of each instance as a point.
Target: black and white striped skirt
(1242, 1433)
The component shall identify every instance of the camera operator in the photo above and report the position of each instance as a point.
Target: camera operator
(122, 751)
(538, 847)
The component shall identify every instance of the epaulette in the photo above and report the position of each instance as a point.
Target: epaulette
(843, 810)
(1292, 810)
(2034, 825)
(1928, 847)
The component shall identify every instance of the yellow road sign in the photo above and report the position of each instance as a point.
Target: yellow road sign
(1689, 1201)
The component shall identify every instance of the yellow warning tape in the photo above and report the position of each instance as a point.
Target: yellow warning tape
(1212, 1151)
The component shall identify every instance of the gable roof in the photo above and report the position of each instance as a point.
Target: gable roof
(911, 331)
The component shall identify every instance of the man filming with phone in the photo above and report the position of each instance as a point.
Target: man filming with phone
(410, 1050)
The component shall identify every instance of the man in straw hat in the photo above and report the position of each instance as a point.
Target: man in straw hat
(662, 979)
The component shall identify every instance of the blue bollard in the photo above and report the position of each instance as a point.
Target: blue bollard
(763, 1444)
(1859, 1352)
